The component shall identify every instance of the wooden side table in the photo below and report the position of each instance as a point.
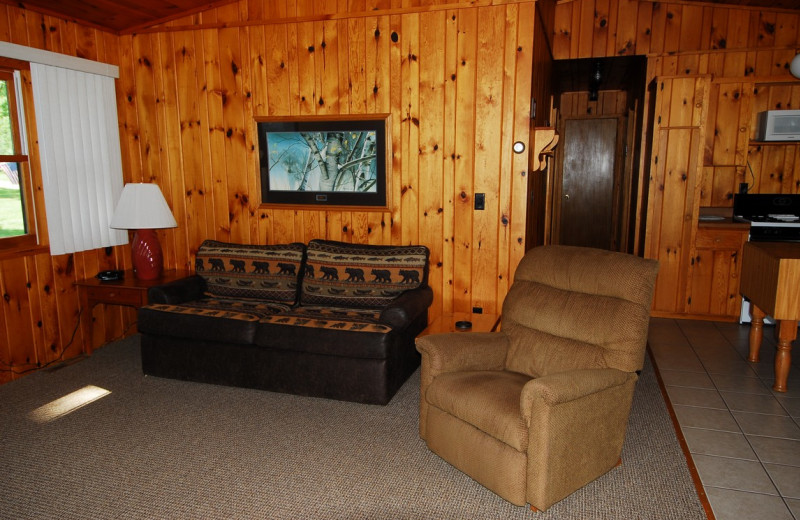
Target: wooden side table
(129, 291)
(447, 323)
(770, 280)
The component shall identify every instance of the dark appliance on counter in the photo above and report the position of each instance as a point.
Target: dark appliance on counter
(773, 218)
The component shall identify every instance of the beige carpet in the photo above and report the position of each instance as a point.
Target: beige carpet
(157, 448)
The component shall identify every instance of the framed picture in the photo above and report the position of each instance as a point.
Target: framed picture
(328, 161)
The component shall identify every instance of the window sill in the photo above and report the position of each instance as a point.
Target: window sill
(16, 251)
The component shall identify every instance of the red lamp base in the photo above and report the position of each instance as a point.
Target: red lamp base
(148, 260)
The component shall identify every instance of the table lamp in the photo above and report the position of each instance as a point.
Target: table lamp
(142, 207)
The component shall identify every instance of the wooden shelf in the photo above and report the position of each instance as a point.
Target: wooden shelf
(772, 143)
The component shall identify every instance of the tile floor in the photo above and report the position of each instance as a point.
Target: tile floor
(743, 437)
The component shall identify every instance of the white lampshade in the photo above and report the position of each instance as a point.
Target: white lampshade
(794, 67)
(142, 206)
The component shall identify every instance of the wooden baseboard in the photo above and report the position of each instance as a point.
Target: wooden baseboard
(701, 493)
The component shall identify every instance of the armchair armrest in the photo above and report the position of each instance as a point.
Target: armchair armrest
(459, 351)
(568, 386)
(403, 309)
(178, 291)
(576, 426)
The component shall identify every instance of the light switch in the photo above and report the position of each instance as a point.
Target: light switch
(480, 201)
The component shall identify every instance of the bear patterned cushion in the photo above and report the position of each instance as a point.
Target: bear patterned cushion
(208, 319)
(340, 274)
(354, 320)
(267, 272)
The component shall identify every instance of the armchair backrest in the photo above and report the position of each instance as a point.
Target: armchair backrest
(574, 307)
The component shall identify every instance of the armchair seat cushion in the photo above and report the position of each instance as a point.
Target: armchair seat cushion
(228, 320)
(487, 400)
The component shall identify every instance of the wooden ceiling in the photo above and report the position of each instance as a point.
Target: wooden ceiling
(118, 16)
(128, 16)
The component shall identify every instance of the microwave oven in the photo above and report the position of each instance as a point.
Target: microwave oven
(779, 125)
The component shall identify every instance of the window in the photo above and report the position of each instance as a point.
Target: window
(17, 218)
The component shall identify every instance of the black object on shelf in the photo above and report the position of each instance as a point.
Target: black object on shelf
(110, 276)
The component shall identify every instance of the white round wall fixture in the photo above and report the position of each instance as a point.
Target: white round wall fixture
(519, 147)
(794, 67)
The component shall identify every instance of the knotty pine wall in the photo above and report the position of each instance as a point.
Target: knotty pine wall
(734, 63)
(456, 79)
(745, 50)
(39, 310)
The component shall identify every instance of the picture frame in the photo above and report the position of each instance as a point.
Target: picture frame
(329, 162)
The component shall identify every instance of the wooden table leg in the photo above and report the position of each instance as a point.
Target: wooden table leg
(756, 332)
(787, 332)
(86, 321)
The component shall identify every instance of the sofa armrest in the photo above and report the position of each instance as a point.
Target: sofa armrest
(403, 309)
(178, 291)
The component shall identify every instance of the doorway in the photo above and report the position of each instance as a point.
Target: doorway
(596, 178)
(585, 212)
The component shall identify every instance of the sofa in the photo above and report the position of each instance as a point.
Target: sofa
(328, 319)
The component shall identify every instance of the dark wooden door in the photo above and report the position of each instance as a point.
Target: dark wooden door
(587, 210)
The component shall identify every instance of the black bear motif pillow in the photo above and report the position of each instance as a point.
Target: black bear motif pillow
(361, 276)
(267, 272)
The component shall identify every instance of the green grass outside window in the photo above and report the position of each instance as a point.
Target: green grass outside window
(11, 222)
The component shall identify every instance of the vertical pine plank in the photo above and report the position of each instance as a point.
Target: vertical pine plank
(233, 133)
(626, 34)
(488, 119)
(409, 116)
(357, 64)
(451, 82)
(306, 52)
(600, 34)
(214, 99)
(563, 36)
(529, 44)
(431, 146)
(194, 190)
(466, 75)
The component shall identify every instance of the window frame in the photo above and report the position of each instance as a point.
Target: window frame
(29, 174)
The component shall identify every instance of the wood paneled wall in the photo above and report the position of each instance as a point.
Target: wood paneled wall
(456, 78)
(456, 82)
(745, 50)
(39, 311)
(721, 64)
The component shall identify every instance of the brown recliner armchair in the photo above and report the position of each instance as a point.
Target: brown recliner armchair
(538, 410)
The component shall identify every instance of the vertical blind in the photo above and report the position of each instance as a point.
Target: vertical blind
(76, 119)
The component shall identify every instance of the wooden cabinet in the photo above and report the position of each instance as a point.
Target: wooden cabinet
(674, 187)
(715, 268)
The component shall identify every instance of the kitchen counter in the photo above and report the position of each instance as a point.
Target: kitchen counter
(720, 218)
